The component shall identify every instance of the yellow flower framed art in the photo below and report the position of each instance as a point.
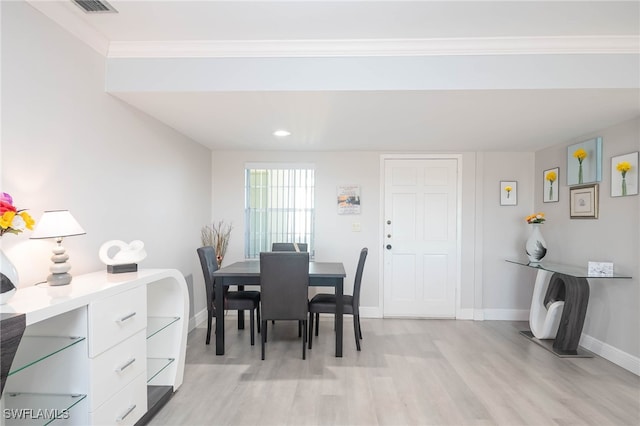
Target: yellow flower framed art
(584, 162)
(624, 175)
(508, 193)
(550, 185)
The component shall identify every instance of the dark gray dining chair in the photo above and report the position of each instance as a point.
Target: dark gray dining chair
(289, 247)
(284, 287)
(234, 300)
(326, 304)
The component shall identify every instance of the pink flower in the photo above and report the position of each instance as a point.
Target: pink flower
(6, 197)
(6, 207)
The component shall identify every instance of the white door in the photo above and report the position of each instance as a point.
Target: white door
(420, 238)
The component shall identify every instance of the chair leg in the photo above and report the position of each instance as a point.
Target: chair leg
(359, 328)
(264, 337)
(209, 321)
(299, 328)
(317, 322)
(303, 323)
(310, 329)
(252, 328)
(356, 331)
(258, 322)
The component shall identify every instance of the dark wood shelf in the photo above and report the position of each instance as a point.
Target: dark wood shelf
(157, 397)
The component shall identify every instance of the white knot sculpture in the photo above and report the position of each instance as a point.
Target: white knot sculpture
(129, 253)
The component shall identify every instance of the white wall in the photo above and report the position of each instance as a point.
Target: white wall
(507, 288)
(335, 240)
(613, 315)
(68, 145)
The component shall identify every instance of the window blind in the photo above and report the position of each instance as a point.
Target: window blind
(279, 207)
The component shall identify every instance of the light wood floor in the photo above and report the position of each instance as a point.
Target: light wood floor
(410, 372)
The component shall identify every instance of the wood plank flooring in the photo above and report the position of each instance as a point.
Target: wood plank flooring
(410, 372)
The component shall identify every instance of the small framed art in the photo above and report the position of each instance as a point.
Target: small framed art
(349, 199)
(624, 175)
(508, 193)
(550, 183)
(584, 162)
(583, 202)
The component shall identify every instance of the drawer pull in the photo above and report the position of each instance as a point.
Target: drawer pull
(123, 416)
(125, 365)
(126, 317)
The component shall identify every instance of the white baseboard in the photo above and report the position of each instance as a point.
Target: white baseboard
(610, 353)
(465, 314)
(370, 312)
(197, 319)
(506, 314)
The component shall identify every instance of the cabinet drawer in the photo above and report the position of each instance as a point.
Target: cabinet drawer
(113, 319)
(126, 407)
(115, 368)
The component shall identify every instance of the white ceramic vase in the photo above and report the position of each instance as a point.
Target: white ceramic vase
(8, 278)
(536, 246)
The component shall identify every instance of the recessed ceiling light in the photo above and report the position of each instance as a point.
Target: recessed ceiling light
(281, 133)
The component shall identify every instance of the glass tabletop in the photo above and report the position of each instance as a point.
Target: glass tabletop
(575, 271)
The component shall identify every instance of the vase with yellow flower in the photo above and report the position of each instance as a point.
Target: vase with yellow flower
(551, 177)
(535, 246)
(580, 154)
(623, 167)
(508, 189)
(12, 221)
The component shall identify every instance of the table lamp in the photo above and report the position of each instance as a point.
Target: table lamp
(58, 224)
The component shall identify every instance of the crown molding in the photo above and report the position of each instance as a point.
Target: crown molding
(376, 47)
(67, 17)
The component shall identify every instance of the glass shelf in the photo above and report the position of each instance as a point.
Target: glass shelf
(34, 349)
(157, 324)
(574, 271)
(156, 365)
(37, 408)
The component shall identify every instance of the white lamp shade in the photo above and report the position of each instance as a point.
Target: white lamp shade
(57, 224)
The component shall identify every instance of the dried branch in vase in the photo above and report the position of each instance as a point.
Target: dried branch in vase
(217, 235)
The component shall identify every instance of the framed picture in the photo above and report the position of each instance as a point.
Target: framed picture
(550, 183)
(348, 199)
(508, 192)
(584, 162)
(624, 175)
(583, 202)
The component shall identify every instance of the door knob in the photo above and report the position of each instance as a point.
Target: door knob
(388, 246)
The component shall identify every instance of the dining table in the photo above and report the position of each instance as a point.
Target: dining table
(247, 272)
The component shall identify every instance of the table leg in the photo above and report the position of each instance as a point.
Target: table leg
(339, 316)
(575, 310)
(219, 289)
(240, 313)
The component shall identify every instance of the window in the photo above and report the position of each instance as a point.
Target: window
(279, 206)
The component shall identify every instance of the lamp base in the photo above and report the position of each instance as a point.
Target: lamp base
(59, 279)
(118, 269)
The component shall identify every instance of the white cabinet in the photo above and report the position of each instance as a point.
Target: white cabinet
(94, 350)
(124, 408)
(113, 319)
(117, 367)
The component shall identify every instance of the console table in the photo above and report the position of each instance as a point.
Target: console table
(105, 349)
(558, 306)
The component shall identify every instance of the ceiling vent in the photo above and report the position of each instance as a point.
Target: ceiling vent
(95, 6)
